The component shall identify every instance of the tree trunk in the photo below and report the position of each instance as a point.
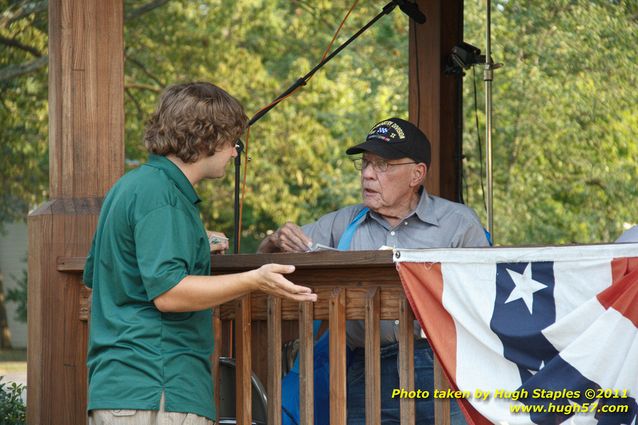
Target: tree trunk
(5, 338)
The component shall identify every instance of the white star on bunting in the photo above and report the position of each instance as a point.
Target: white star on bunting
(524, 287)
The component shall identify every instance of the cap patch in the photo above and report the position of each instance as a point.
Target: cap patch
(387, 131)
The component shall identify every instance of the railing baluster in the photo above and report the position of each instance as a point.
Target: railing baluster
(337, 314)
(441, 405)
(243, 366)
(406, 359)
(274, 360)
(306, 374)
(373, 358)
(217, 349)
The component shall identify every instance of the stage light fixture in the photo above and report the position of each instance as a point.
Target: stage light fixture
(463, 56)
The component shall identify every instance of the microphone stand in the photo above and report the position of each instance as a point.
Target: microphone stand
(239, 146)
(387, 9)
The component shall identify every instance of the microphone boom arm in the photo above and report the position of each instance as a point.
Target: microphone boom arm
(387, 9)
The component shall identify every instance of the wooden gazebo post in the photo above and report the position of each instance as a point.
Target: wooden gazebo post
(435, 98)
(86, 156)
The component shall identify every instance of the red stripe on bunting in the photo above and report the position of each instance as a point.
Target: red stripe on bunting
(622, 296)
(423, 286)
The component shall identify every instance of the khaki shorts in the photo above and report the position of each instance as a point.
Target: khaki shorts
(146, 417)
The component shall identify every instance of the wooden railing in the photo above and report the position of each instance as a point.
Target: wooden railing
(362, 285)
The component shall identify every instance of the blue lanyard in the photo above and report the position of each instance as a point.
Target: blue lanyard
(346, 238)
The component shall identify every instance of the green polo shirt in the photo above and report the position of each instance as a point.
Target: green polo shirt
(149, 237)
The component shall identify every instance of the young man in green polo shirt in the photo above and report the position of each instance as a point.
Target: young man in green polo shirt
(151, 337)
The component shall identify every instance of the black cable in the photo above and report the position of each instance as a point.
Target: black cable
(459, 171)
(465, 185)
(458, 142)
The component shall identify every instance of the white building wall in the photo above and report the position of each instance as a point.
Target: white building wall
(13, 253)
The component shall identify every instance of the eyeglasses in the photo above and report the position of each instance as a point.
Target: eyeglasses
(380, 166)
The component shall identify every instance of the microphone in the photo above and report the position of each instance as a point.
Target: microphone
(239, 146)
(412, 10)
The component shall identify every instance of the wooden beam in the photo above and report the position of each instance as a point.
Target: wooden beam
(306, 365)
(338, 412)
(441, 405)
(373, 357)
(434, 98)
(243, 389)
(406, 359)
(86, 156)
(274, 360)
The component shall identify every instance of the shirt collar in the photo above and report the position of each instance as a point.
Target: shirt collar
(425, 209)
(175, 174)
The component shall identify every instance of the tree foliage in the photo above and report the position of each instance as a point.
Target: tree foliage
(565, 121)
(23, 108)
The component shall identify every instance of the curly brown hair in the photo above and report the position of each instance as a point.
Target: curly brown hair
(194, 119)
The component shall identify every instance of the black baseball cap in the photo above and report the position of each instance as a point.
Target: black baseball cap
(395, 138)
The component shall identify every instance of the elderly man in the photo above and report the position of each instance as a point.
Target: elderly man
(151, 333)
(396, 212)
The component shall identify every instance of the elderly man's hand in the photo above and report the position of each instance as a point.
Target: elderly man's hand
(290, 238)
(218, 242)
